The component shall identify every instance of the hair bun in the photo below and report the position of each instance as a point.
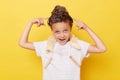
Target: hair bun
(60, 14)
(59, 10)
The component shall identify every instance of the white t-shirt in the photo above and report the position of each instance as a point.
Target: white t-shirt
(61, 67)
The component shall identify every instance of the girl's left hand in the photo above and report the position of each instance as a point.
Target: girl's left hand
(80, 24)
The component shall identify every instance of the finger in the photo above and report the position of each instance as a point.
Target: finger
(38, 24)
(46, 18)
(42, 22)
(78, 27)
(76, 20)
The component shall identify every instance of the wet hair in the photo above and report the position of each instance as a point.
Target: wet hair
(60, 14)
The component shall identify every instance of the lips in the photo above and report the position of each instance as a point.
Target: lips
(61, 39)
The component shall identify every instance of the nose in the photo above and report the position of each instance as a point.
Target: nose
(62, 35)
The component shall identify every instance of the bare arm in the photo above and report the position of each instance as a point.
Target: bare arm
(99, 45)
(23, 42)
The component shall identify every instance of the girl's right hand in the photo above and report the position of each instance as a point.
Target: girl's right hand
(38, 21)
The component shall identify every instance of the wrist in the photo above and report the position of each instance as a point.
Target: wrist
(31, 23)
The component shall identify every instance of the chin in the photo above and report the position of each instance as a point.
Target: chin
(62, 43)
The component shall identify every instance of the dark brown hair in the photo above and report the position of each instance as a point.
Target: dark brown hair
(60, 14)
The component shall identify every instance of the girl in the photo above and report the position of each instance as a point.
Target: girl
(62, 53)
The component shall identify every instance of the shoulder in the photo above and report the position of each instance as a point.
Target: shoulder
(40, 44)
(83, 44)
(40, 47)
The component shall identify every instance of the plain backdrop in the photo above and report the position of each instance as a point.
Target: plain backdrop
(102, 16)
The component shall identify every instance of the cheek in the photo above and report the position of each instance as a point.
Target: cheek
(68, 34)
(55, 35)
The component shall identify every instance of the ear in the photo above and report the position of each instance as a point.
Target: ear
(51, 27)
(70, 28)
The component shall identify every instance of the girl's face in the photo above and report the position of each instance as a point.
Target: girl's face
(62, 32)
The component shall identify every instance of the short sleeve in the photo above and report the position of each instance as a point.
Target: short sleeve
(84, 47)
(40, 47)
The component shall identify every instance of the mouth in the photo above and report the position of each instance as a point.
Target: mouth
(62, 39)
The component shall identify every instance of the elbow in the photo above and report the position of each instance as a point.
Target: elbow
(21, 44)
(102, 50)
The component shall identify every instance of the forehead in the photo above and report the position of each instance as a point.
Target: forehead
(61, 25)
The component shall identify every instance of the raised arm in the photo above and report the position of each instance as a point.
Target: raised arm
(23, 42)
(99, 45)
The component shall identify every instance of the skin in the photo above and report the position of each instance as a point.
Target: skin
(62, 33)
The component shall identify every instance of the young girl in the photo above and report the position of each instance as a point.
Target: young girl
(62, 53)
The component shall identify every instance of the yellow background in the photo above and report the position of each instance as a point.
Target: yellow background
(103, 16)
